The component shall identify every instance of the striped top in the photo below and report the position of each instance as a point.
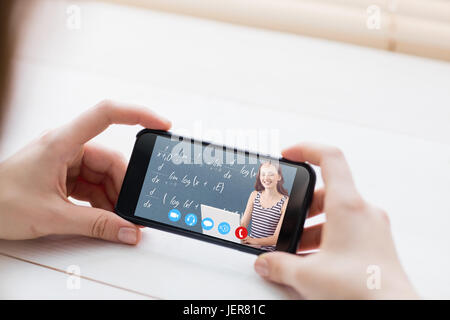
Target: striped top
(265, 220)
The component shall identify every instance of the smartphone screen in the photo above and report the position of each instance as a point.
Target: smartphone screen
(235, 196)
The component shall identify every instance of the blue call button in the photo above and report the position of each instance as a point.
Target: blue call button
(224, 228)
(190, 219)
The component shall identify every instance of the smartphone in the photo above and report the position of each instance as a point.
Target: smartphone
(234, 198)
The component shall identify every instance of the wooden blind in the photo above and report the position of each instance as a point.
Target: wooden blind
(418, 27)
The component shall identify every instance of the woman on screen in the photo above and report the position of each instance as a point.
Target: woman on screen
(266, 207)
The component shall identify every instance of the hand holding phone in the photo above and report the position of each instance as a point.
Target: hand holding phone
(38, 180)
(357, 257)
(216, 194)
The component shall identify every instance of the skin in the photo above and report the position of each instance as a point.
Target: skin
(355, 237)
(62, 164)
(269, 178)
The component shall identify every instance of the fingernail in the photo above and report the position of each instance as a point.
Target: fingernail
(261, 267)
(127, 235)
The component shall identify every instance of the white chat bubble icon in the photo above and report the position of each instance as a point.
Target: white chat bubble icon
(207, 223)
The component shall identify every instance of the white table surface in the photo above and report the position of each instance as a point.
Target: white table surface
(390, 114)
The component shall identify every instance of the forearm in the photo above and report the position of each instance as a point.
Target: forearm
(244, 222)
(245, 219)
(267, 241)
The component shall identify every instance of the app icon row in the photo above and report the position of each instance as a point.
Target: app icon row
(191, 220)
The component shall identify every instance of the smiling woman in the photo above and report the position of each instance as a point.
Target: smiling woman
(63, 165)
(266, 207)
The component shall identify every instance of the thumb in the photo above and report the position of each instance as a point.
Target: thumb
(280, 267)
(102, 224)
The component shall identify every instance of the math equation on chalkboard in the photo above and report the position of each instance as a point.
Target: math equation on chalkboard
(184, 179)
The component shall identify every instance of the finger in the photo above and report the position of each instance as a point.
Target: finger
(99, 223)
(336, 173)
(99, 163)
(311, 238)
(100, 179)
(279, 267)
(110, 190)
(92, 193)
(317, 203)
(94, 121)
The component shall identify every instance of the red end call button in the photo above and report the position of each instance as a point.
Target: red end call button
(241, 233)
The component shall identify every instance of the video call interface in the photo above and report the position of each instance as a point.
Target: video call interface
(216, 192)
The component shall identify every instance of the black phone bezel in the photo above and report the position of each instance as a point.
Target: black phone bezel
(295, 215)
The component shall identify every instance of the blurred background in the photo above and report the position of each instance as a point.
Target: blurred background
(369, 76)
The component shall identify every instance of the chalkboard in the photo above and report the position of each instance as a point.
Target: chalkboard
(180, 176)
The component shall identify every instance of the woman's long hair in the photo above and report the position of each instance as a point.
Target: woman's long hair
(6, 7)
(12, 13)
(280, 187)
